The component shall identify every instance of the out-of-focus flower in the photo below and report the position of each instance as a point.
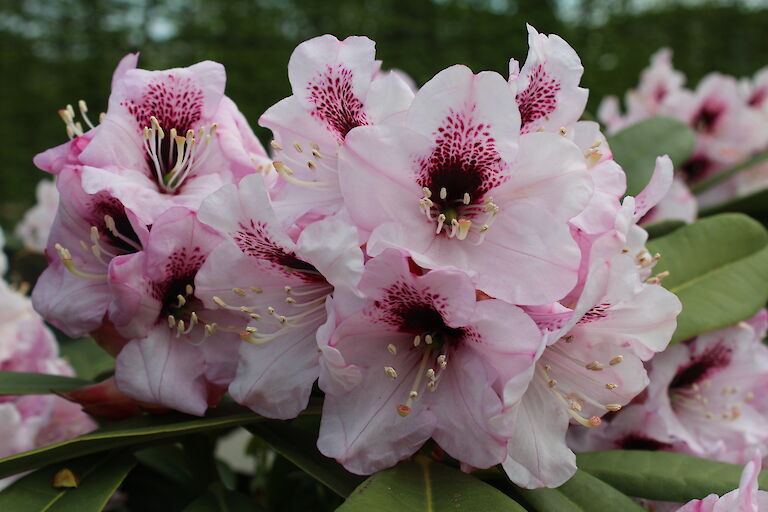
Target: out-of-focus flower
(34, 228)
(422, 359)
(26, 345)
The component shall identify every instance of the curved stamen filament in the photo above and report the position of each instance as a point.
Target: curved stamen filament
(66, 259)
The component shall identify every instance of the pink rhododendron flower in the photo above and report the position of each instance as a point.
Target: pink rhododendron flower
(657, 83)
(747, 498)
(35, 227)
(26, 345)
(457, 186)
(89, 231)
(279, 286)
(548, 92)
(678, 204)
(180, 354)
(706, 398)
(169, 138)
(422, 359)
(336, 86)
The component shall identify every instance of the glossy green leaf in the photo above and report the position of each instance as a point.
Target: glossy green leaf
(718, 268)
(755, 205)
(636, 147)
(100, 476)
(300, 447)
(19, 383)
(664, 476)
(133, 431)
(167, 460)
(426, 486)
(219, 499)
(662, 227)
(582, 493)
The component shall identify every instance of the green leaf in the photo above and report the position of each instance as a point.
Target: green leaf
(100, 475)
(130, 432)
(20, 383)
(300, 447)
(663, 476)
(727, 173)
(87, 358)
(718, 268)
(582, 493)
(219, 499)
(662, 227)
(426, 486)
(635, 148)
(167, 460)
(755, 204)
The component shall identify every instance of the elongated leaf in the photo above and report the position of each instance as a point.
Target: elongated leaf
(167, 460)
(100, 475)
(582, 493)
(426, 486)
(635, 148)
(19, 383)
(663, 476)
(718, 268)
(134, 431)
(219, 499)
(755, 205)
(663, 227)
(299, 447)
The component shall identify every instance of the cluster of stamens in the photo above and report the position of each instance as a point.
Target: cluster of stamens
(432, 353)
(691, 399)
(307, 303)
(75, 128)
(574, 402)
(455, 220)
(312, 164)
(190, 150)
(182, 328)
(95, 248)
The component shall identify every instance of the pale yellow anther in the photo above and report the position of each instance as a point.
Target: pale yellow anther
(611, 386)
(443, 193)
(390, 372)
(219, 302)
(392, 349)
(416, 341)
(239, 291)
(595, 366)
(613, 407)
(616, 360)
(276, 145)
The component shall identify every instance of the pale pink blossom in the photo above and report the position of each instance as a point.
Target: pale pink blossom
(457, 186)
(336, 87)
(422, 359)
(678, 204)
(547, 87)
(35, 226)
(26, 345)
(706, 398)
(592, 365)
(747, 498)
(89, 231)
(181, 354)
(278, 286)
(169, 138)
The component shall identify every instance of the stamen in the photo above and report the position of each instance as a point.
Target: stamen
(66, 259)
(390, 372)
(286, 173)
(443, 193)
(616, 360)
(595, 366)
(392, 349)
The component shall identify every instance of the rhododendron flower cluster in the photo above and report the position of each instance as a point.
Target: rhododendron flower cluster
(27, 345)
(451, 263)
(707, 397)
(730, 121)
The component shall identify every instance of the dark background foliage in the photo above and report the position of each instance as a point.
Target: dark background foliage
(54, 52)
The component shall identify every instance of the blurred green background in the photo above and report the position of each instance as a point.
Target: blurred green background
(54, 52)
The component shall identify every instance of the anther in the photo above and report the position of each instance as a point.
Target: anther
(298, 147)
(413, 394)
(595, 366)
(428, 339)
(443, 193)
(616, 360)
(403, 410)
(276, 145)
(416, 340)
(466, 199)
(390, 372)
(427, 192)
(239, 291)
(441, 361)
(392, 349)
(430, 374)
(613, 407)
(611, 386)
(552, 383)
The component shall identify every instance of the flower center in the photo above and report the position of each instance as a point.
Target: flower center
(175, 158)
